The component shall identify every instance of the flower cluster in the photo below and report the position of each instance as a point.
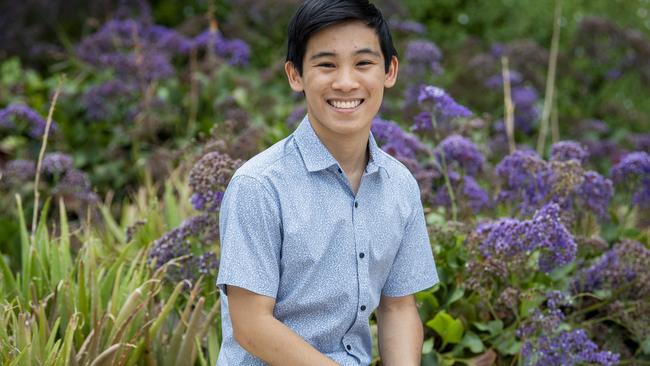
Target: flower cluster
(460, 151)
(395, 141)
(624, 267)
(59, 176)
(595, 193)
(525, 179)
(209, 178)
(567, 150)
(524, 100)
(423, 57)
(469, 194)
(101, 101)
(57, 163)
(183, 244)
(406, 26)
(566, 348)
(634, 171)
(545, 232)
(443, 106)
(531, 181)
(20, 112)
(17, 172)
(235, 51)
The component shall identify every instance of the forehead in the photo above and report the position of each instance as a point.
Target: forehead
(343, 38)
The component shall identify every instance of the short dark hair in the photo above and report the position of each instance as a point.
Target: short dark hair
(314, 15)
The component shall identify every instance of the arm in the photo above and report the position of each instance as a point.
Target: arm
(265, 337)
(399, 330)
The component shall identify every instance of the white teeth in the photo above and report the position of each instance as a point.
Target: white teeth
(345, 104)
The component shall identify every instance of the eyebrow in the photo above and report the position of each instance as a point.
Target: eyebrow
(358, 52)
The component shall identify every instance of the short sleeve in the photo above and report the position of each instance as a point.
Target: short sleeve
(250, 233)
(413, 268)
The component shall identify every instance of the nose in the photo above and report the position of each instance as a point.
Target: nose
(345, 80)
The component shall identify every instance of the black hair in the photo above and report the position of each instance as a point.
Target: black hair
(314, 15)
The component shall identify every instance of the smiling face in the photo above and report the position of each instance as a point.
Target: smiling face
(343, 79)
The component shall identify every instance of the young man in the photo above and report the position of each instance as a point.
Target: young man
(323, 228)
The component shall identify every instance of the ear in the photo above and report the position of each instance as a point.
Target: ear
(295, 81)
(391, 75)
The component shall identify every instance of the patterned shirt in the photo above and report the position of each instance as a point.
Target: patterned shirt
(292, 229)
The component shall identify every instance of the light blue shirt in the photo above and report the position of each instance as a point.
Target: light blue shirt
(292, 229)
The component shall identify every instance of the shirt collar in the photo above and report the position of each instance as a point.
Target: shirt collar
(316, 156)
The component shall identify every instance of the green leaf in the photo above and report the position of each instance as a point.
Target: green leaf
(494, 327)
(427, 346)
(473, 342)
(449, 328)
(507, 344)
(456, 295)
(427, 304)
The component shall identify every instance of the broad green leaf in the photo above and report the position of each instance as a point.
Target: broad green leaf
(449, 328)
(494, 327)
(473, 342)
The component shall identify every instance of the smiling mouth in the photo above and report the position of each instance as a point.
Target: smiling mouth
(345, 104)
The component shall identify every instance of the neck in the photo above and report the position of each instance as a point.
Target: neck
(350, 151)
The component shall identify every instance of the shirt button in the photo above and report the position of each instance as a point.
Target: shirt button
(348, 347)
(361, 255)
(356, 204)
(340, 171)
(363, 308)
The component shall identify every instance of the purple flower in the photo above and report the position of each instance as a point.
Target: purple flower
(134, 50)
(407, 26)
(209, 178)
(444, 106)
(423, 56)
(526, 113)
(191, 237)
(525, 178)
(595, 192)
(626, 264)
(101, 101)
(422, 122)
(57, 163)
(394, 140)
(496, 81)
(641, 141)
(567, 348)
(462, 152)
(567, 150)
(633, 164)
(633, 171)
(545, 232)
(76, 185)
(474, 195)
(235, 51)
(497, 49)
(19, 171)
(594, 125)
(549, 233)
(21, 112)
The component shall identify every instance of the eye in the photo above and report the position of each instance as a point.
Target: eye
(365, 63)
(325, 64)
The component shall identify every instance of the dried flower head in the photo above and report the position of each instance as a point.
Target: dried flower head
(209, 178)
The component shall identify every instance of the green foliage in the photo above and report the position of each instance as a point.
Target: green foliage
(101, 303)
